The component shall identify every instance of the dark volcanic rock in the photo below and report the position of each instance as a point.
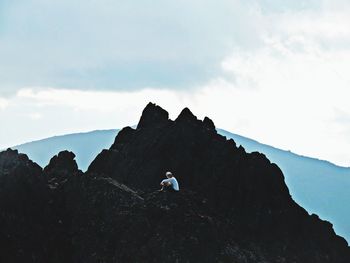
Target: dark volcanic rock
(246, 188)
(153, 116)
(62, 162)
(232, 206)
(60, 168)
(24, 214)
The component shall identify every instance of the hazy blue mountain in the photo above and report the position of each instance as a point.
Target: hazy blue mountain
(86, 146)
(319, 186)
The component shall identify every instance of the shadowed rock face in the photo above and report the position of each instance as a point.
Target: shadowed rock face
(24, 211)
(60, 168)
(232, 207)
(202, 160)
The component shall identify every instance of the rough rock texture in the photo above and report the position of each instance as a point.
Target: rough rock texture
(232, 207)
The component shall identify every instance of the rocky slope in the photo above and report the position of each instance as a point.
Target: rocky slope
(232, 207)
(318, 186)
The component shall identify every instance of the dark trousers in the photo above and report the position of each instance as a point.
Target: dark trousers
(169, 188)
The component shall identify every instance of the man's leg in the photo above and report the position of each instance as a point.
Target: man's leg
(170, 189)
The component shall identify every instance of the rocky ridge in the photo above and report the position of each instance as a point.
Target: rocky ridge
(232, 207)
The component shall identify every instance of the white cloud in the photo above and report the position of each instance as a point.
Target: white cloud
(3, 103)
(288, 107)
(300, 75)
(102, 102)
(35, 115)
(119, 45)
(276, 72)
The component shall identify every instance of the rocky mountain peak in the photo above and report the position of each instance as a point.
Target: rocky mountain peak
(64, 160)
(153, 116)
(232, 206)
(61, 167)
(11, 160)
(123, 137)
(208, 123)
(186, 116)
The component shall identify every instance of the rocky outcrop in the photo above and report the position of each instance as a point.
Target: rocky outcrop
(153, 116)
(24, 213)
(232, 207)
(60, 168)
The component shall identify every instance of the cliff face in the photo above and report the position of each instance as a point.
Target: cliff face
(232, 207)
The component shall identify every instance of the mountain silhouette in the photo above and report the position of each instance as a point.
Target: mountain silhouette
(319, 186)
(233, 206)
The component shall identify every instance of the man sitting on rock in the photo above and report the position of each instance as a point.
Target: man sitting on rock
(170, 184)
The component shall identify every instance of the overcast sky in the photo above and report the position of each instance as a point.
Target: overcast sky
(275, 71)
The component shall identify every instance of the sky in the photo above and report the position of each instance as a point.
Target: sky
(274, 71)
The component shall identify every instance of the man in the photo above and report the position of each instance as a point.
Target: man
(170, 183)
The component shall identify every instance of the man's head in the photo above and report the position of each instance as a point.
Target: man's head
(169, 174)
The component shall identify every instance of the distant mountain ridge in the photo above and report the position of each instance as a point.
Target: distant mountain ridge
(319, 186)
(86, 146)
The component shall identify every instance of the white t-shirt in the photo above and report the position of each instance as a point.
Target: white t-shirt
(173, 182)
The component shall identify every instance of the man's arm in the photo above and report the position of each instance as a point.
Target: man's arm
(166, 182)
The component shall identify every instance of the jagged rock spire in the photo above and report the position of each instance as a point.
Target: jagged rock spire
(60, 168)
(62, 161)
(10, 159)
(208, 123)
(153, 116)
(187, 116)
